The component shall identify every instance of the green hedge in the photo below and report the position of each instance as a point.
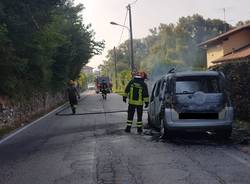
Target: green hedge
(238, 75)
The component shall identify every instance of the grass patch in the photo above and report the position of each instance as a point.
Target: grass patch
(5, 130)
(119, 92)
(243, 125)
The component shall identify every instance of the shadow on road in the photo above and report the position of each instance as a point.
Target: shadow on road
(194, 138)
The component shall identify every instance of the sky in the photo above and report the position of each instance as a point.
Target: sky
(147, 14)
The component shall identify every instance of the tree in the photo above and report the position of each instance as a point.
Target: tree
(170, 45)
(43, 45)
(242, 23)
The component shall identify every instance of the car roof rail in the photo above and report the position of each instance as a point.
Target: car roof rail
(172, 70)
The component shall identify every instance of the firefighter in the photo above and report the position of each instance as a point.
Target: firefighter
(72, 94)
(104, 89)
(137, 93)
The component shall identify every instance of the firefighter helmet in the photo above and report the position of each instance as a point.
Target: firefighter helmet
(144, 75)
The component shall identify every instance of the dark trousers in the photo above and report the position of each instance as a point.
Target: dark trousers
(131, 112)
(73, 103)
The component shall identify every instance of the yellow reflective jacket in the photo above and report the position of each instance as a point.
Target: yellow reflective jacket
(137, 92)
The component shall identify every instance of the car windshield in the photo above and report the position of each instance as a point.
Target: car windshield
(190, 85)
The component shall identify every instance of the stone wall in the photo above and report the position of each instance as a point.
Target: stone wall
(238, 75)
(19, 111)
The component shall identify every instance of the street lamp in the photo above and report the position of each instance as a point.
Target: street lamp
(131, 43)
(116, 24)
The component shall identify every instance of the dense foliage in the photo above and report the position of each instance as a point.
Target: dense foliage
(238, 75)
(167, 46)
(43, 44)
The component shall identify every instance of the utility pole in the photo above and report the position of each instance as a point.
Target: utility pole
(224, 11)
(131, 39)
(115, 60)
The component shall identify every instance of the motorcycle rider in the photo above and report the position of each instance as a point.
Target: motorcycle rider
(104, 89)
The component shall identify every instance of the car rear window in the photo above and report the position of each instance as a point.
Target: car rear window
(100, 79)
(192, 84)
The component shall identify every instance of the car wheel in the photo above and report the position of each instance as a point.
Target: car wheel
(164, 133)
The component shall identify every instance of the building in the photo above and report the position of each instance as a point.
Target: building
(87, 70)
(230, 46)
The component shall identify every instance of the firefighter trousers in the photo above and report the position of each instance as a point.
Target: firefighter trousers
(131, 112)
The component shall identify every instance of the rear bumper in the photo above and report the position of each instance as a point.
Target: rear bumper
(173, 123)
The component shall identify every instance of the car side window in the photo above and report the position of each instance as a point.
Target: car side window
(167, 86)
(162, 84)
(152, 94)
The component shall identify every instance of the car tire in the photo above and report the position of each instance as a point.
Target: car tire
(164, 132)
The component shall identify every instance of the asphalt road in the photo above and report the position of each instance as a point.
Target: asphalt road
(94, 149)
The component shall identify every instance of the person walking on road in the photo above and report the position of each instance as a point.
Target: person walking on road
(137, 92)
(72, 94)
(104, 89)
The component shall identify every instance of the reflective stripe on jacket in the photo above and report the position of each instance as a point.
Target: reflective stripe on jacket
(137, 91)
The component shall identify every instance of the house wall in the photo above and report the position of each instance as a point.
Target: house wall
(87, 69)
(214, 53)
(236, 41)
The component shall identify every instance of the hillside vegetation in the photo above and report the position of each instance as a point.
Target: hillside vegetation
(43, 44)
(167, 46)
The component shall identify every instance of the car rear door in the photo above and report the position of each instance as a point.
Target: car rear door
(151, 104)
(157, 103)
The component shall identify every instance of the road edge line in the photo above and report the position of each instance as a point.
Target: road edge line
(30, 124)
(35, 121)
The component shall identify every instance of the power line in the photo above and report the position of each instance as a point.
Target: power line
(133, 2)
(123, 27)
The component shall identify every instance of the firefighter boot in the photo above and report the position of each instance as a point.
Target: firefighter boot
(139, 130)
(73, 109)
(128, 129)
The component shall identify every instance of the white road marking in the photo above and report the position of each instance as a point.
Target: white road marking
(29, 125)
(36, 121)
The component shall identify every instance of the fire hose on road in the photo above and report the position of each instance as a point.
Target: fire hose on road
(59, 113)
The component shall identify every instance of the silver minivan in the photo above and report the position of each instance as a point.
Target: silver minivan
(191, 101)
